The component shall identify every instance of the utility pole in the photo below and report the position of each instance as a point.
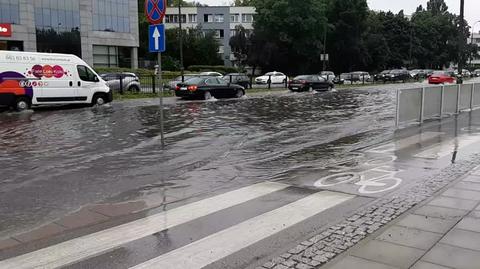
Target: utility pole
(324, 47)
(180, 37)
(461, 42)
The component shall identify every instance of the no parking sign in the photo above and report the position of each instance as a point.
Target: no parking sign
(155, 10)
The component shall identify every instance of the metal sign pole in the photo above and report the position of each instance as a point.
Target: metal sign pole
(160, 92)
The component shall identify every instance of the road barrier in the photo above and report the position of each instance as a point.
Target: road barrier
(435, 102)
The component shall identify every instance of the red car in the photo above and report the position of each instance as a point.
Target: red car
(441, 77)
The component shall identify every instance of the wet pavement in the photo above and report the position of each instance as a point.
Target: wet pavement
(57, 161)
(67, 169)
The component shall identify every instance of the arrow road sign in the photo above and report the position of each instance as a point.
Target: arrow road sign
(157, 38)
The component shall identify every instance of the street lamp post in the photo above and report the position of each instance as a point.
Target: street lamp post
(461, 42)
(180, 37)
(471, 42)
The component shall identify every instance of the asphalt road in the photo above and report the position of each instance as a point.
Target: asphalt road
(262, 160)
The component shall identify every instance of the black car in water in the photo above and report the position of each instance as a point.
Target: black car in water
(239, 79)
(207, 87)
(310, 83)
(381, 76)
(398, 75)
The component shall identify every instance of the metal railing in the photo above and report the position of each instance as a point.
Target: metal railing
(435, 102)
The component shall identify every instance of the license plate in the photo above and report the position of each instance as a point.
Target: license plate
(295, 88)
(183, 88)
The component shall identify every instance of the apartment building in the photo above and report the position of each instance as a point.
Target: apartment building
(222, 20)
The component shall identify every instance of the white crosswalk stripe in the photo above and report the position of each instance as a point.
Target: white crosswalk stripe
(219, 245)
(95, 244)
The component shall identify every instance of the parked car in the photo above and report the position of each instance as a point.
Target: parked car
(420, 73)
(122, 82)
(239, 79)
(441, 77)
(360, 76)
(310, 83)
(276, 78)
(398, 75)
(381, 76)
(328, 75)
(172, 85)
(342, 78)
(207, 87)
(211, 74)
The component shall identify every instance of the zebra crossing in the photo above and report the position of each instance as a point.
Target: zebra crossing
(90, 251)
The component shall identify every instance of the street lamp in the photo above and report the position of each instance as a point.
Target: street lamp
(180, 37)
(471, 41)
(461, 42)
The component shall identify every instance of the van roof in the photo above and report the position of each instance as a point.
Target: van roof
(39, 57)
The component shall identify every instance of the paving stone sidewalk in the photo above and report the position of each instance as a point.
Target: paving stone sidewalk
(443, 233)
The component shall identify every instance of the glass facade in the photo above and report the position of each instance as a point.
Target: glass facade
(58, 26)
(111, 56)
(58, 15)
(9, 11)
(111, 16)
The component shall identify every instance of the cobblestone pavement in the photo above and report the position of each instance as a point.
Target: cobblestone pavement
(321, 248)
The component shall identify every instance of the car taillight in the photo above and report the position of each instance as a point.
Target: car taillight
(177, 88)
(192, 88)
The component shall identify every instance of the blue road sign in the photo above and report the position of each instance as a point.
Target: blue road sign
(156, 35)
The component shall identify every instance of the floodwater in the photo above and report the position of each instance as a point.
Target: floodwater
(54, 161)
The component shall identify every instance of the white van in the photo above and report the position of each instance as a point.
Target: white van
(31, 79)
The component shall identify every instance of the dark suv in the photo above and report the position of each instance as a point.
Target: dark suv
(398, 75)
(239, 79)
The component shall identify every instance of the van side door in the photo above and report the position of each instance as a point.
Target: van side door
(56, 89)
(86, 83)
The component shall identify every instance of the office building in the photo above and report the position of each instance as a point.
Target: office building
(102, 32)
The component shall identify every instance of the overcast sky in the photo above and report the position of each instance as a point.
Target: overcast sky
(472, 7)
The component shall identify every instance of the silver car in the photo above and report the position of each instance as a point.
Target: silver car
(122, 82)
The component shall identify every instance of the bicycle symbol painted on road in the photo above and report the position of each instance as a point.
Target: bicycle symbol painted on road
(378, 178)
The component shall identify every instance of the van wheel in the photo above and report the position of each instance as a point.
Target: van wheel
(22, 103)
(99, 100)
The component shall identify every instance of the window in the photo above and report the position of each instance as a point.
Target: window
(235, 18)
(9, 11)
(192, 18)
(111, 15)
(211, 81)
(85, 73)
(57, 15)
(105, 56)
(208, 18)
(221, 49)
(247, 18)
(219, 34)
(219, 18)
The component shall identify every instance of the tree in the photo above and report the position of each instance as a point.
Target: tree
(347, 46)
(239, 43)
(287, 35)
(243, 3)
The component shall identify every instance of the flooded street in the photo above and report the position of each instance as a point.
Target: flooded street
(57, 161)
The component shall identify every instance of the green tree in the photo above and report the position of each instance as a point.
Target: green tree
(240, 43)
(291, 34)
